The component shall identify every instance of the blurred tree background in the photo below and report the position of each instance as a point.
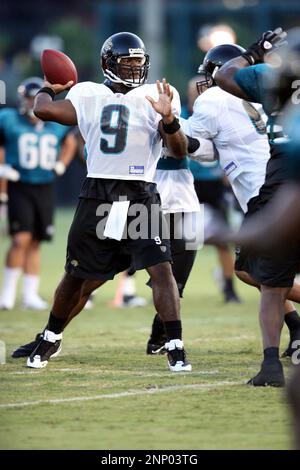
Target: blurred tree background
(176, 32)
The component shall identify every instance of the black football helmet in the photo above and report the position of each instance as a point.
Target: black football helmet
(213, 60)
(28, 89)
(124, 45)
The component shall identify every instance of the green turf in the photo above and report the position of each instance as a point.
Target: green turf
(104, 353)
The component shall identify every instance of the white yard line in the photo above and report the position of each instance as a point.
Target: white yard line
(102, 372)
(129, 393)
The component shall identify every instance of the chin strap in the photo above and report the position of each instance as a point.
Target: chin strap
(113, 78)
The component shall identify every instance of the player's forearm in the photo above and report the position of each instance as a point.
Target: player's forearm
(176, 142)
(68, 150)
(61, 111)
(225, 76)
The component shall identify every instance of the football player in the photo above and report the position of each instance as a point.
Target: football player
(32, 153)
(122, 121)
(239, 134)
(279, 221)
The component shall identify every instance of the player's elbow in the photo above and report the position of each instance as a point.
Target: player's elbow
(42, 112)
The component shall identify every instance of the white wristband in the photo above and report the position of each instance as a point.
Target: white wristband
(3, 198)
(59, 168)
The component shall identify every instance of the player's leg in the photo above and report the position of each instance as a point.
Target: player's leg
(70, 298)
(21, 227)
(167, 304)
(227, 263)
(271, 317)
(125, 295)
(31, 279)
(15, 260)
(86, 289)
(291, 317)
(90, 262)
(183, 261)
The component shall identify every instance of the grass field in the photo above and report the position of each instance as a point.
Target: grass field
(103, 392)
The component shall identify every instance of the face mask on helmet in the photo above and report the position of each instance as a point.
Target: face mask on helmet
(213, 61)
(26, 93)
(205, 80)
(124, 60)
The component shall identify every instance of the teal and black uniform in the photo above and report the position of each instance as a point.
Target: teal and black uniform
(276, 269)
(32, 150)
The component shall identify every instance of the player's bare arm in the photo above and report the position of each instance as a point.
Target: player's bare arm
(66, 154)
(255, 54)
(176, 141)
(225, 77)
(61, 111)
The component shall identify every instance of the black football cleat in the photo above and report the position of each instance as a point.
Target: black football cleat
(48, 347)
(156, 348)
(27, 349)
(231, 296)
(158, 338)
(271, 374)
(177, 360)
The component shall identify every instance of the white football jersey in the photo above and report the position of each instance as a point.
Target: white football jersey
(177, 191)
(120, 130)
(239, 134)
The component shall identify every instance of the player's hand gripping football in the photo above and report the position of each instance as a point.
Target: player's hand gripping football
(268, 42)
(57, 88)
(164, 104)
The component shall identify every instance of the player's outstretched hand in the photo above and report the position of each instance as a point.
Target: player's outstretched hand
(165, 95)
(57, 88)
(268, 42)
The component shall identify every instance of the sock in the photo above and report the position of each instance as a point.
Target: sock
(271, 355)
(129, 287)
(56, 324)
(10, 283)
(31, 284)
(173, 329)
(292, 321)
(228, 285)
(158, 329)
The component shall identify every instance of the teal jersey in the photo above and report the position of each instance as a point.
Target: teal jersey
(259, 83)
(170, 163)
(206, 171)
(31, 149)
(293, 148)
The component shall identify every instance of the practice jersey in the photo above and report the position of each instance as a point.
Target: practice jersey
(120, 130)
(175, 185)
(239, 135)
(31, 149)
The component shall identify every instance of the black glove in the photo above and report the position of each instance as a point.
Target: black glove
(269, 41)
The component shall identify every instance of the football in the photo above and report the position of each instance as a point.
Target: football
(58, 68)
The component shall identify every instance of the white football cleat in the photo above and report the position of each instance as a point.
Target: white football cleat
(177, 359)
(49, 347)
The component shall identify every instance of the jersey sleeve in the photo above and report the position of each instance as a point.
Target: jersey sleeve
(203, 123)
(74, 96)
